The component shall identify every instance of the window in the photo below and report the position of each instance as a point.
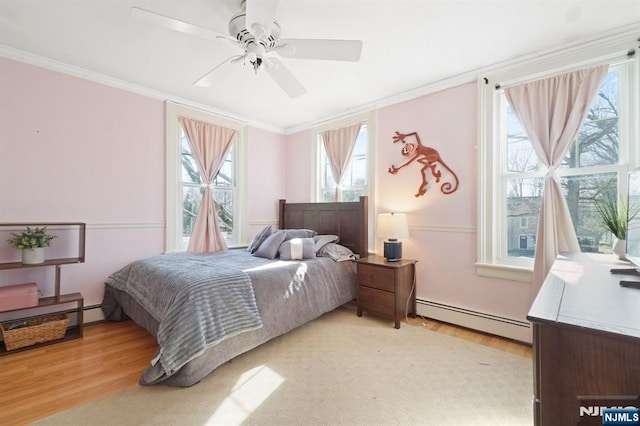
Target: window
(223, 188)
(359, 177)
(354, 181)
(511, 181)
(184, 184)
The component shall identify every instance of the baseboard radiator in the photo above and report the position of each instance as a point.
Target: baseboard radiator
(92, 314)
(492, 324)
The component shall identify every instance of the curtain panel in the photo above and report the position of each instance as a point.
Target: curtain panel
(552, 111)
(338, 144)
(209, 145)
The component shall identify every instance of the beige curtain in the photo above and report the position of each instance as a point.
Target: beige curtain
(552, 111)
(338, 144)
(210, 145)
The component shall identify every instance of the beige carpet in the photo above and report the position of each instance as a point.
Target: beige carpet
(337, 370)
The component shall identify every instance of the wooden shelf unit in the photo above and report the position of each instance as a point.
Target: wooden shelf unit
(58, 298)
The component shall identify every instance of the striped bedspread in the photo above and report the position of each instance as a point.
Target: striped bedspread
(197, 303)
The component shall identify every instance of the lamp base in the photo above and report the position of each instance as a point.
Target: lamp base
(392, 250)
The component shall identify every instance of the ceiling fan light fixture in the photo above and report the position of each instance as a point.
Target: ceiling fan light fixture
(255, 30)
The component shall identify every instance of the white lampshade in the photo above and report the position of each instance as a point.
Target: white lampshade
(392, 226)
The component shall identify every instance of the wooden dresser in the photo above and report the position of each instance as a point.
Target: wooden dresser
(386, 288)
(586, 341)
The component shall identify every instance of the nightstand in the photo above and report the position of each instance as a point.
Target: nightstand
(386, 288)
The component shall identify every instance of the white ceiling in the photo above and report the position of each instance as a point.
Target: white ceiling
(408, 44)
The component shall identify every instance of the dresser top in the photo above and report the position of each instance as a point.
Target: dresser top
(581, 291)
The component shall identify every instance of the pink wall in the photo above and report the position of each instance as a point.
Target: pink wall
(77, 150)
(267, 182)
(299, 158)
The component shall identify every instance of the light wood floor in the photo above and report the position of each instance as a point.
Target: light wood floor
(111, 356)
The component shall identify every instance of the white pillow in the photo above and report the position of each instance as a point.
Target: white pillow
(297, 248)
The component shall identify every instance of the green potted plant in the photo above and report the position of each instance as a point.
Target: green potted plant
(32, 242)
(614, 217)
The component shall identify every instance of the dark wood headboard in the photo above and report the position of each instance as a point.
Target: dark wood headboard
(348, 220)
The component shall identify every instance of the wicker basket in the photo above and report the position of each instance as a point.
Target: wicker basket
(27, 332)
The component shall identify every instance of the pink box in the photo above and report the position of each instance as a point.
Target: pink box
(18, 296)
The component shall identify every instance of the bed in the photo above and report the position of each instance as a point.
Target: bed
(280, 296)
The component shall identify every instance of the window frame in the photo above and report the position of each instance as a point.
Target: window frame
(492, 151)
(173, 152)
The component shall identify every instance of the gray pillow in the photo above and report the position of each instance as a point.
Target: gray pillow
(269, 248)
(299, 233)
(297, 248)
(259, 239)
(336, 252)
(322, 240)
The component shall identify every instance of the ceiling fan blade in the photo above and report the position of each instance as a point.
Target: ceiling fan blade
(283, 77)
(175, 24)
(332, 50)
(261, 13)
(206, 80)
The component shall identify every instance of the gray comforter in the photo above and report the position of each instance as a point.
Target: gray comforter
(199, 304)
(288, 294)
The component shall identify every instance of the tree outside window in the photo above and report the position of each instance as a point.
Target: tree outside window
(589, 170)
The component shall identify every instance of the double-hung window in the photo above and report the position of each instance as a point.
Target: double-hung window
(511, 177)
(357, 177)
(185, 186)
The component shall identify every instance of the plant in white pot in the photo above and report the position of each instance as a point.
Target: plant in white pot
(32, 242)
(614, 217)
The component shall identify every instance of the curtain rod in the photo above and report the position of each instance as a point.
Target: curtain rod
(630, 54)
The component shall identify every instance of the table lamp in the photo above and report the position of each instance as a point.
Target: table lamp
(392, 226)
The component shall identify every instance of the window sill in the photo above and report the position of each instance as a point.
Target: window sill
(505, 272)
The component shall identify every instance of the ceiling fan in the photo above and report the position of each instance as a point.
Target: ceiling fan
(255, 30)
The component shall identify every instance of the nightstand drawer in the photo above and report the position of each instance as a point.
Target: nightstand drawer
(376, 301)
(376, 277)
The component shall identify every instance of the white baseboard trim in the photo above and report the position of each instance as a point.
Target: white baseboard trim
(492, 324)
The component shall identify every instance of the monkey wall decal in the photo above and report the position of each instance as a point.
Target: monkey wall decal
(428, 157)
